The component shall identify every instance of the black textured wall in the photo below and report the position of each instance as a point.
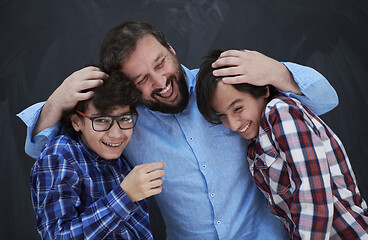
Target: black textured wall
(42, 42)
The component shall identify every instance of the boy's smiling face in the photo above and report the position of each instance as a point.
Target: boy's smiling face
(109, 144)
(239, 111)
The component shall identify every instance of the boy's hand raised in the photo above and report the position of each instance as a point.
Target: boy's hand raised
(144, 181)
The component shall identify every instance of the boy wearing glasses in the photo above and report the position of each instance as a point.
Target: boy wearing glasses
(81, 186)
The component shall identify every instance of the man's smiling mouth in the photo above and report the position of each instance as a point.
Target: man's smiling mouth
(166, 92)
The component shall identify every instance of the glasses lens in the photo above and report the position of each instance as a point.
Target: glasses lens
(127, 121)
(101, 123)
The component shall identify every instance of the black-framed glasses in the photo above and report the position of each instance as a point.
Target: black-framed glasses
(104, 123)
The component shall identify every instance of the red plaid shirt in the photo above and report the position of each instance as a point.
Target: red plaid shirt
(303, 170)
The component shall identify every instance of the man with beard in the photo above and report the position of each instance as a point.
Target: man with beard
(207, 192)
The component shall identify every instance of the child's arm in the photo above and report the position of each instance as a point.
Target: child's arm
(56, 189)
(311, 203)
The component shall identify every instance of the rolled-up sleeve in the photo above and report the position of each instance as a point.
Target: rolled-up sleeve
(318, 94)
(35, 144)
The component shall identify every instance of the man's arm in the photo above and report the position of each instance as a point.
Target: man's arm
(42, 118)
(301, 82)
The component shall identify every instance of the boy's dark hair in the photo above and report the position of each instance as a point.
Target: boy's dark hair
(207, 83)
(115, 91)
(121, 41)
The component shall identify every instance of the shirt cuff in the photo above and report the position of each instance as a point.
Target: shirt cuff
(35, 144)
(318, 94)
(120, 203)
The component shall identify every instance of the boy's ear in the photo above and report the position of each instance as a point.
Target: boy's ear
(268, 92)
(76, 122)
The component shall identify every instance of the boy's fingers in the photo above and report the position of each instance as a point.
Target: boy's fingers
(149, 167)
(156, 183)
(156, 174)
(155, 191)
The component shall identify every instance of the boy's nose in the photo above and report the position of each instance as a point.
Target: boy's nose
(115, 130)
(234, 123)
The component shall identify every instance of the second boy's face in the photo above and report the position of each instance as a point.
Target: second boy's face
(109, 144)
(239, 111)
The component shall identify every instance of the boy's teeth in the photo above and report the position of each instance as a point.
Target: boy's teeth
(113, 145)
(244, 128)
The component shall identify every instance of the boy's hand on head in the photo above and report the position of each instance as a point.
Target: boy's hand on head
(144, 181)
(252, 67)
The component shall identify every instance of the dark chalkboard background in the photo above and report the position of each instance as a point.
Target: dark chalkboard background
(42, 42)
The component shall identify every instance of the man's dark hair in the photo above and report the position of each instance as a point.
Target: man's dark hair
(207, 83)
(121, 41)
(114, 92)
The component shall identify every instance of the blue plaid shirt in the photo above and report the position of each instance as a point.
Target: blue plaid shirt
(77, 195)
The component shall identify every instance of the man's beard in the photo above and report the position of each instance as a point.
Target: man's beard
(183, 94)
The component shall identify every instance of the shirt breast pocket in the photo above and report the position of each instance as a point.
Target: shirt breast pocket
(273, 170)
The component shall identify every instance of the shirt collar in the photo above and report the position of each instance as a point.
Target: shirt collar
(190, 79)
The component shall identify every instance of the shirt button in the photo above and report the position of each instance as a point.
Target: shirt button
(191, 139)
(213, 195)
(218, 222)
(204, 166)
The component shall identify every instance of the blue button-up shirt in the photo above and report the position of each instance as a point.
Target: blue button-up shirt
(207, 190)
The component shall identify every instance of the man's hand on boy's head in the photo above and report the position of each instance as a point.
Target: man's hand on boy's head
(68, 94)
(73, 89)
(255, 68)
(144, 181)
